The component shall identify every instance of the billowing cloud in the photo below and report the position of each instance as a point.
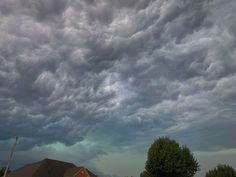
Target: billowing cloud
(117, 73)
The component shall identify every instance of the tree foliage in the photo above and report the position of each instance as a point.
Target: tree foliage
(2, 170)
(145, 174)
(221, 171)
(167, 159)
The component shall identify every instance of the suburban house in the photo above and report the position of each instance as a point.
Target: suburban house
(51, 168)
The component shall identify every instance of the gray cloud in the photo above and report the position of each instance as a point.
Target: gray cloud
(116, 70)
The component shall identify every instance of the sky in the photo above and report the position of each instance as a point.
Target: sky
(95, 82)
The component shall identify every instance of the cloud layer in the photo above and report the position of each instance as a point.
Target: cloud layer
(118, 72)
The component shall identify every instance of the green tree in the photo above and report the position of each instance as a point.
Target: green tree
(221, 171)
(166, 158)
(145, 174)
(2, 170)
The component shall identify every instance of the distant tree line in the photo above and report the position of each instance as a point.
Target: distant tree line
(166, 158)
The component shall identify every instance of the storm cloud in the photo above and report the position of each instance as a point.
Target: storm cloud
(118, 72)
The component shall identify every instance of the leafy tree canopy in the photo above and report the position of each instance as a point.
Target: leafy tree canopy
(166, 158)
(145, 174)
(221, 171)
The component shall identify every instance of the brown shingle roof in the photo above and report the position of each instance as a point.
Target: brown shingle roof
(44, 168)
(70, 172)
(25, 171)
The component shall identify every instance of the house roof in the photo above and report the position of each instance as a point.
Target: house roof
(26, 171)
(90, 173)
(45, 168)
(72, 171)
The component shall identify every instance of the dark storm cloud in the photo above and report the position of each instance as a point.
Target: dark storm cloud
(130, 69)
(40, 10)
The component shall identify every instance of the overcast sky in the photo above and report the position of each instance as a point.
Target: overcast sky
(94, 82)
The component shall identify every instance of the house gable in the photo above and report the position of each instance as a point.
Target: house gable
(82, 173)
(79, 172)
